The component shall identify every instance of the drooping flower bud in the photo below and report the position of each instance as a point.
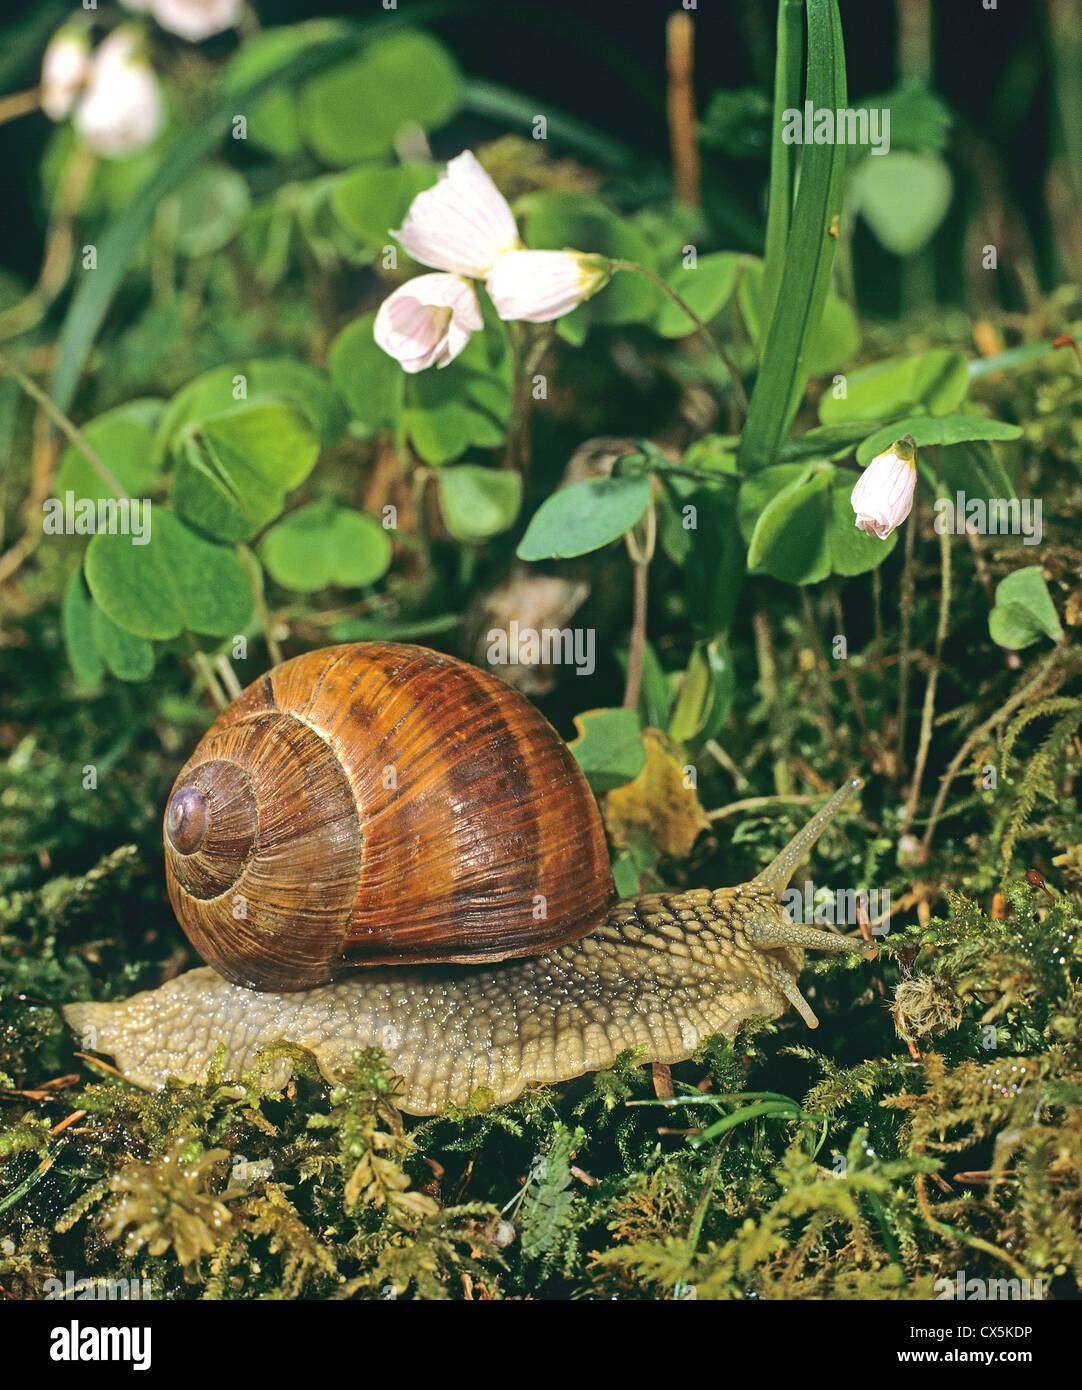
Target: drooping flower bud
(122, 110)
(883, 495)
(64, 69)
(427, 321)
(541, 285)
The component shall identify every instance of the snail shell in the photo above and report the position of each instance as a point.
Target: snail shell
(374, 804)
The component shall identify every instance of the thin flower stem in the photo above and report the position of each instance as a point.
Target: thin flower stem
(708, 337)
(768, 683)
(34, 391)
(641, 557)
(266, 622)
(908, 593)
(72, 188)
(819, 666)
(224, 667)
(526, 356)
(19, 104)
(518, 374)
(928, 712)
(722, 758)
(209, 679)
(846, 668)
(1011, 659)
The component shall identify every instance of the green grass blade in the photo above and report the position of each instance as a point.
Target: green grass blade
(809, 253)
(788, 75)
(770, 1111)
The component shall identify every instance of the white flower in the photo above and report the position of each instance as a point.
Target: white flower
(64, 69)
(196, 20)
(122, 110)
(541, 285)
(463, 224)
(427, 320)
(883, 495)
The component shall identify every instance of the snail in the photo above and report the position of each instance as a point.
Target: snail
(380, 805)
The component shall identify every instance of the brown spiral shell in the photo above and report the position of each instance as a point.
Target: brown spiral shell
(380, 803)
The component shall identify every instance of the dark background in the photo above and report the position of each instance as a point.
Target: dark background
(603, 61)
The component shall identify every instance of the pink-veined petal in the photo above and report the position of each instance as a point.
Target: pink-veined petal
(882, 496)
(427, 321)
(542, 285)
(462, 225)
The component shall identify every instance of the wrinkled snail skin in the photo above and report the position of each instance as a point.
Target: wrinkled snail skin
(663, 972)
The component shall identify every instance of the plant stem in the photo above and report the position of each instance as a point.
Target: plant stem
(680, 102)
(75, 179)
(224, 667)
(34, 391)
(846, 668)
(641, 558)
(209, 679)
(768, 682)
(266, 622)
(908, 591)
(19, 104)
(928, 712)
(820, 667)
(708, 337)
(699, 1214)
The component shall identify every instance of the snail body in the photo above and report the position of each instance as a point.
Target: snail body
(453, 1011)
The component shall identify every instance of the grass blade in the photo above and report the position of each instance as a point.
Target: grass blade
(809, 252)
(788, 74)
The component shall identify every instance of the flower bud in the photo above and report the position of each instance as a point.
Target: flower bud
(64, 69)
(427, 320)
(883, 495)
(541, 285)
(122, 110)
